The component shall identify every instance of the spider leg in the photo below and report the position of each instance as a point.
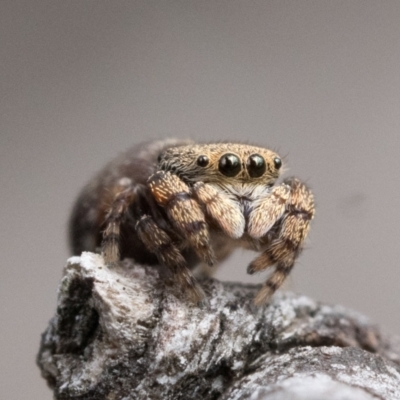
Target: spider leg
(287, 239)
(114, 218)
(184, 213)
(222, 209)
(155, 239)
(160, 243)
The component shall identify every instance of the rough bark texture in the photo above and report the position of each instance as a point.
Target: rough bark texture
(121, 334)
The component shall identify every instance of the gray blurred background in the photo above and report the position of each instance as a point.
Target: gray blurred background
(319, 81)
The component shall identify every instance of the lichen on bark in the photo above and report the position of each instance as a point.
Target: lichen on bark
(120, 333)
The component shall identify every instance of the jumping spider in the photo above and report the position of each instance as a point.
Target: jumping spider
(166, 202)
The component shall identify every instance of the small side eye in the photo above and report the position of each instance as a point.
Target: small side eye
(203, 161)
(277, 162)
(256, 165)
(229, 165)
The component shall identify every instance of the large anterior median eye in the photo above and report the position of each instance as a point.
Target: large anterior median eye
(229, 165)
(256, 165)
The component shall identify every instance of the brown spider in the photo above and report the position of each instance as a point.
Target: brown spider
(166, 202)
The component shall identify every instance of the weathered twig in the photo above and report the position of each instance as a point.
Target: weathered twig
(121, 334)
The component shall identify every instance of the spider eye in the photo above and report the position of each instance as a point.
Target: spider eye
(203, 161)
(277, 162)
(229, 165)
(256, 165)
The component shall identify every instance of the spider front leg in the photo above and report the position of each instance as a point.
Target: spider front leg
(288, 211)
(154, 238)
(184, 213)
(160, 243)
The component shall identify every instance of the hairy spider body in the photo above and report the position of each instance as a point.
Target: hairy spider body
(175, 203)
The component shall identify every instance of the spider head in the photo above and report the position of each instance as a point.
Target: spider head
(223, 164)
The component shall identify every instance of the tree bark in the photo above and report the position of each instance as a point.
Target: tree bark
(121, 333)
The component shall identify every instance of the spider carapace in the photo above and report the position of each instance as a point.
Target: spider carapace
(177, 203)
